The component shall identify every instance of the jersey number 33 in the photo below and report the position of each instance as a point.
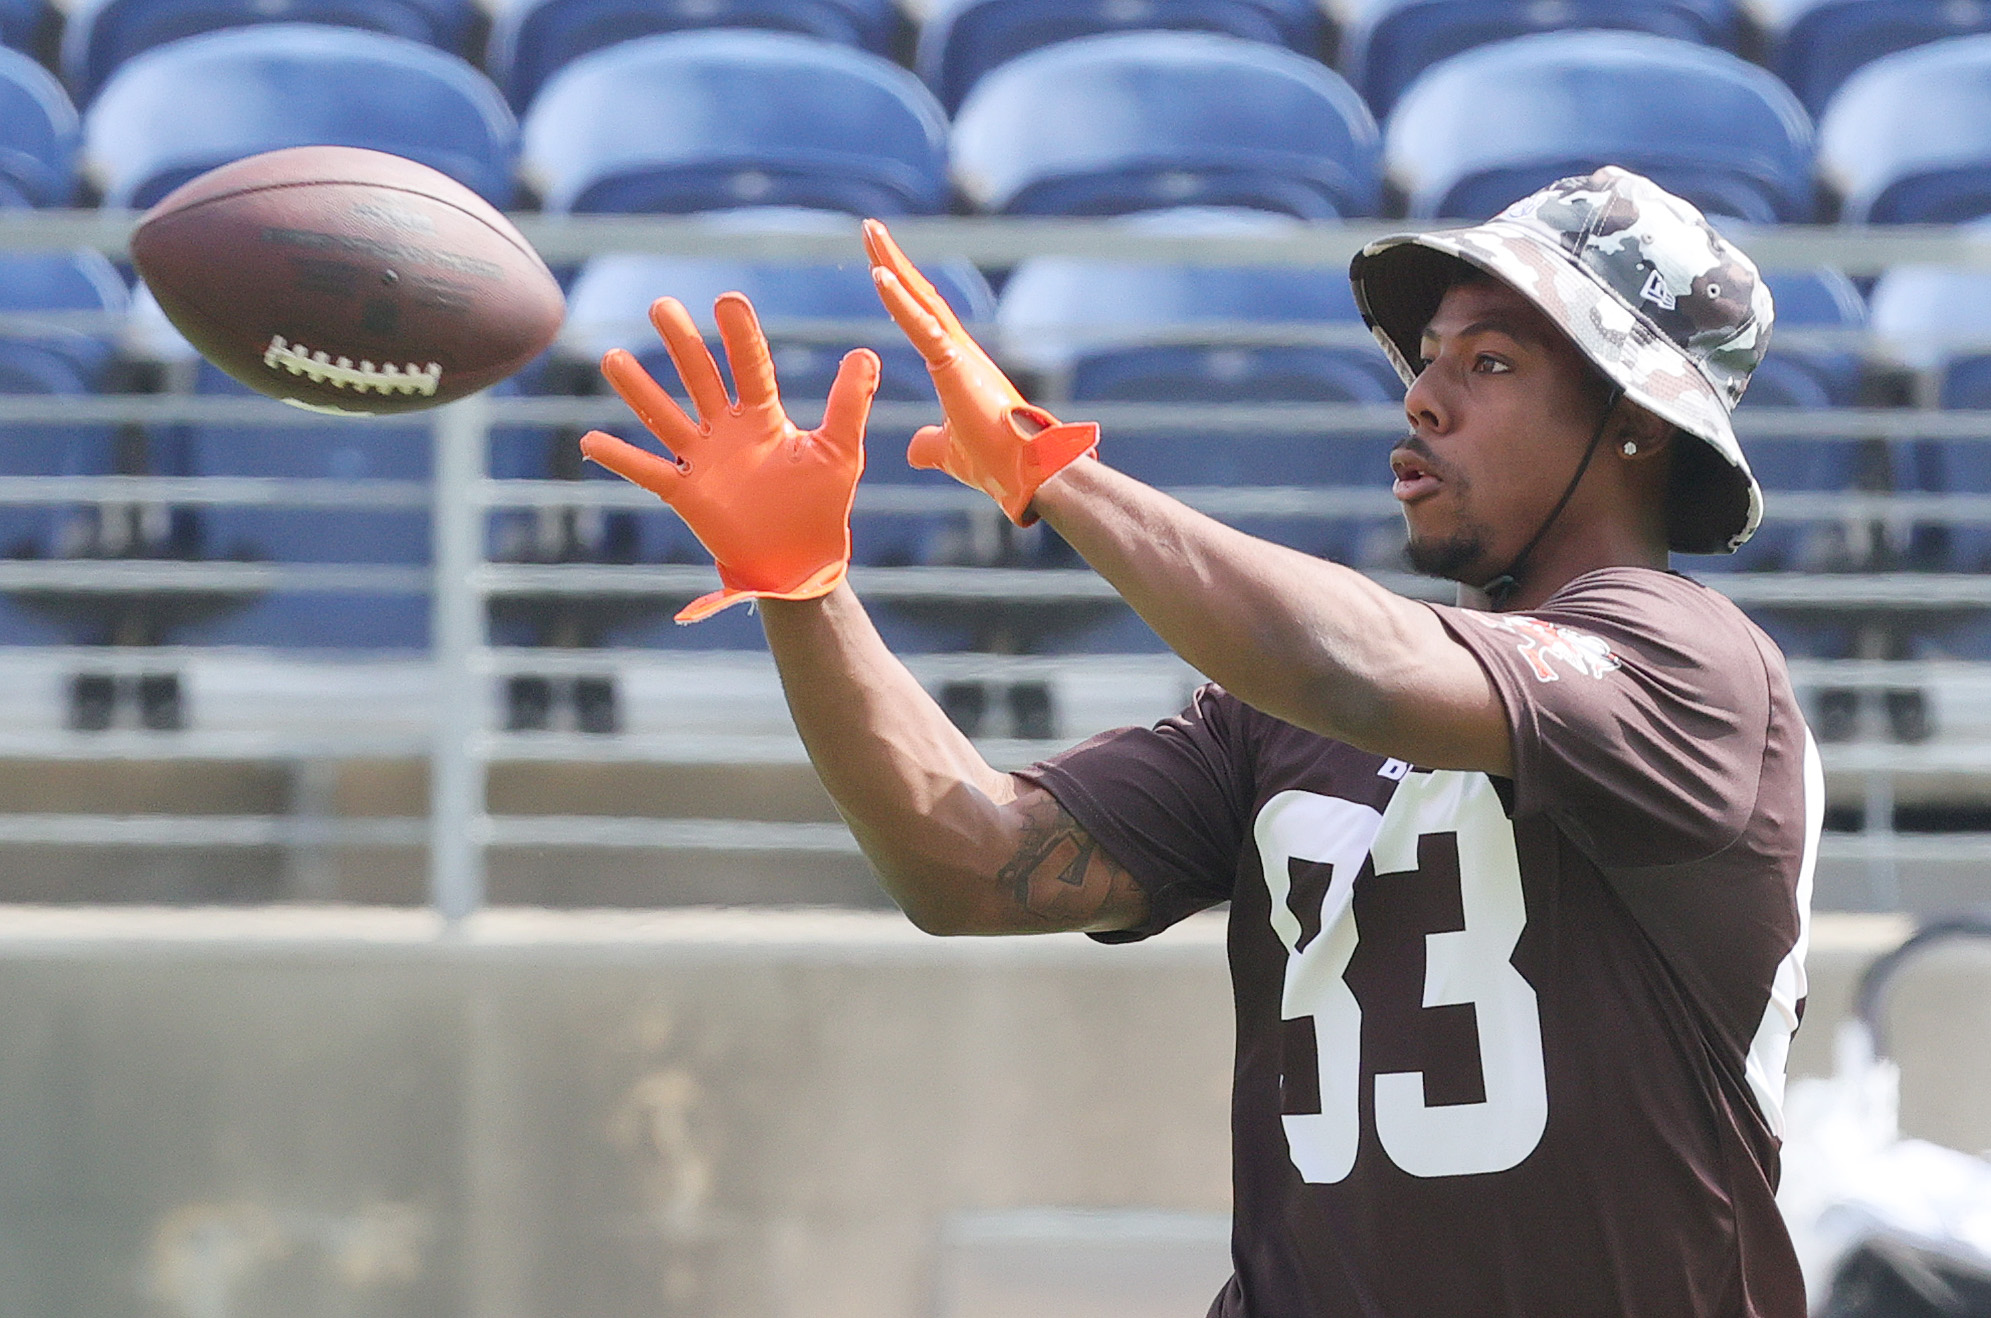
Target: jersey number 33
(1470, 965)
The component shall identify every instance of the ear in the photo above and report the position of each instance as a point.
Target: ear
(1646, 435)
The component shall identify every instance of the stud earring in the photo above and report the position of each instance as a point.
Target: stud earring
(1631, 449)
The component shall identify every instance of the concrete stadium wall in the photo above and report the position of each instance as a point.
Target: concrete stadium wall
(289, 1113)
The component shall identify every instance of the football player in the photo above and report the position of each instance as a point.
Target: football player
(1518, 888)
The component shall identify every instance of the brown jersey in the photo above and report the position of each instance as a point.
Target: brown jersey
(1503, 1047)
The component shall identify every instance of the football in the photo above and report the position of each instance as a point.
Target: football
(347, 281)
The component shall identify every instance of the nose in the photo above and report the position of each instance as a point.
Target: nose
(1424, 404)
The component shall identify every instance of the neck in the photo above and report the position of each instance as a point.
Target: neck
(1559, 560)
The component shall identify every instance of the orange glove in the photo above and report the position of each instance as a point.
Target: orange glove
(993, 440)
(771, 502)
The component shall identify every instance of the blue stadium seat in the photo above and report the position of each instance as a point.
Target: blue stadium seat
(178, 110)
(1907, 140)
(1486, 128)
(609, 305)
(70, 354)
(53, 359)
(1814, 361)
(342, 450)
(1938, 321)
(38, 135)
(960, 40)
(339, 450)
(59, 359)
(695, 121)
(1126, 331)
(1814, 358)
(1929, 317)
(1211, 334)
(47, 530)
(1815, 45)
(1787, 464)
(1389, 42)
(25, 24)
(99, 35)
(531, 39)
(1142, 121)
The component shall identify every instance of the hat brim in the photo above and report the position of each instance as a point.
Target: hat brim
(1400, 280)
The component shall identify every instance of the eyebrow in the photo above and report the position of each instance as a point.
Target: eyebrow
(1512, 327)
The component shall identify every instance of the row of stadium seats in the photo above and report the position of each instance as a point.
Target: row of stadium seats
(1087, 332)
(1104, 125)
(1814, 45)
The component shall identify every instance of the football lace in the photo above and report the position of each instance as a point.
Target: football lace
(341, 373)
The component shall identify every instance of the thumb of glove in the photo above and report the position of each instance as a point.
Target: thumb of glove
(929, 448)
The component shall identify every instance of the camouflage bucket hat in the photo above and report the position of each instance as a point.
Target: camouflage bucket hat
(1663, 305)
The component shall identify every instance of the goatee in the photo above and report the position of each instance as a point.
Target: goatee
(1451, 559)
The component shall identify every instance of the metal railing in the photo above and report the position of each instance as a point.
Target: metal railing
(460, 582)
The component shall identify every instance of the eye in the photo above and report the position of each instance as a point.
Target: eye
(1488, 364)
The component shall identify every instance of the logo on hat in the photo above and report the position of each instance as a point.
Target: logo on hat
(1655, 290)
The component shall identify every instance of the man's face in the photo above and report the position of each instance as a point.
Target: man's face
(1499, 419)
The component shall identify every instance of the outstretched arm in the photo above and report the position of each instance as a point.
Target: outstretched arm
(1307, 641)
(962, 847)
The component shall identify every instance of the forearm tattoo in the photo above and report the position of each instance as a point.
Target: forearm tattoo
(1062, 876)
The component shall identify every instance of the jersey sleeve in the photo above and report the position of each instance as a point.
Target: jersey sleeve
(1168, 802)
(1639, 707)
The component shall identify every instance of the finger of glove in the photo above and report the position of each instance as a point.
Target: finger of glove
(746, 351)
(885, 251)
(929, 448)
(928, 335)
(850, 402)
(639, 466)
(692, 358)
(657, 410)
(970, 384)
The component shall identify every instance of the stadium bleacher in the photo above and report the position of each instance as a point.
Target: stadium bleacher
(39, 133)
(1108, 124)
(1935, 323)
(100, 35)
(1202, 121)
(1815, 45)
(608, 308)
(1115, 332)
(1875, 149)
(52, 359)
(1498, 122)
(1390, 42)
(1822, 372)
(531, 39)
(178, 110)
(961, 40)
(711, 120)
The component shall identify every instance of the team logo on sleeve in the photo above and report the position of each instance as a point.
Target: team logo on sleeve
(1579, 652)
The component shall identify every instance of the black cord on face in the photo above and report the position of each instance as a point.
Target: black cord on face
(1502, 587)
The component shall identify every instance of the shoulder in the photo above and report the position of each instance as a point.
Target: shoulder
(1640, 619)
(1668, 598)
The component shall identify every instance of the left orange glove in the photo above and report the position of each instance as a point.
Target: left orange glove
(772, 503)
(993, 439)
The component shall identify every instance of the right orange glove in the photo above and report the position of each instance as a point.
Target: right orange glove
(771, 502)
(993, 440)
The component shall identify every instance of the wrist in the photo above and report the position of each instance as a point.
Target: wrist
(1066, 488)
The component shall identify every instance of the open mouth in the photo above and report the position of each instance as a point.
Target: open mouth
(1415, 478)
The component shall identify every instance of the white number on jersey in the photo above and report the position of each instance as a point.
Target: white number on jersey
(1470, 965)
